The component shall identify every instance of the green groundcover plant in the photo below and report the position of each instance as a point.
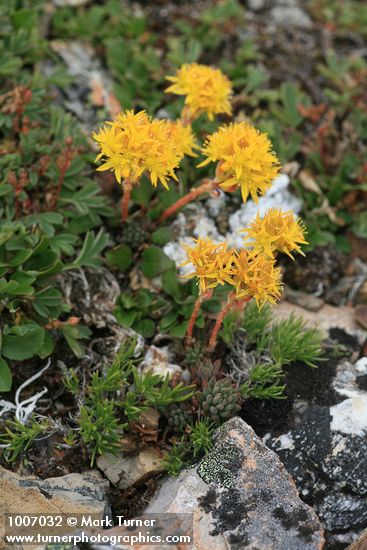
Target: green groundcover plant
(55, 219)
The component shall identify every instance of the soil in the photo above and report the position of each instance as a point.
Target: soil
(318, 272)
(311, 385)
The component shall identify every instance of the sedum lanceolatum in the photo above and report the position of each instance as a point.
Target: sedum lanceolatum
(134, 144)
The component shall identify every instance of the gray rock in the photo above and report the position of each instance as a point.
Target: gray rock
(338, 294)
(126, 471)
(360, 543)
(87, 489)
(71, 494)
(241, 496)
(302, 299)
(289, 14)
(256, 5)
(73, 491)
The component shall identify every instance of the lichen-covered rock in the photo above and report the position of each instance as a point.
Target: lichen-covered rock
(241, 496)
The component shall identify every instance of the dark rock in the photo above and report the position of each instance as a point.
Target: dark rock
(329, 468)
(339, 512)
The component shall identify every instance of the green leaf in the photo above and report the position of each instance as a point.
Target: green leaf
(26, 18)
(290, 98)
(44, 263)
(92, 247)
(154, 262)
(5, 376)
(126, 318)
(162, 236)
(5, 189)
(49, 302)
(145, 327)
(9, 65)
(168, 320)
(23, 341)
(7, 287)
(343, 244)
(171, 285)
(22, 255)
(48, 346)
(46, 221)
(24, 283)
(127, 300)
(213, 305)
(255, 78)
(319, 237)
(63, 243)
(179, 331)
(72, 335)
(141, 194)
(144, 299)
(120, 257)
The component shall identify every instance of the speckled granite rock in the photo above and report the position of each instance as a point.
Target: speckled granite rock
(241, 496)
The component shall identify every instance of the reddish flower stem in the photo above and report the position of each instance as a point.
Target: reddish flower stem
(227, 308)
(194, 315)
(63, 163)
(58, 188)
(205, 187)
(17, 207)
(126, 190)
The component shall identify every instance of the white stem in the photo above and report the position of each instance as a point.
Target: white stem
(23, 409)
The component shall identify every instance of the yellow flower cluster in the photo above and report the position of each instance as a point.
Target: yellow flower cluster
(213, 263)
(276, 231)
(245, 157)
(183, 138)
(207, 90)
(135, 143)
(256, 277)
(251, 274)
